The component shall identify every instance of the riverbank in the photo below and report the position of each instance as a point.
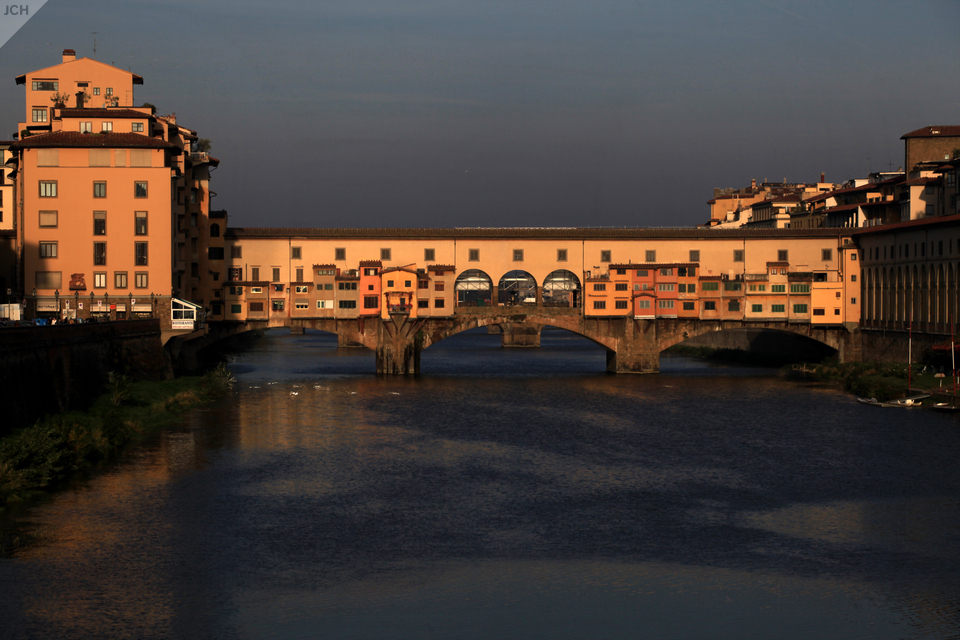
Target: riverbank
(882, 381)
(59, 448)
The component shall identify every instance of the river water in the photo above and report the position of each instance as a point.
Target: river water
(508, 494)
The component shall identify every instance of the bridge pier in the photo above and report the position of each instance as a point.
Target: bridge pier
(520, 335)
(398, 347)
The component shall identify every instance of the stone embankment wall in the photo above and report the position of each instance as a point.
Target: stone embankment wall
(894, 346)
(64, 367)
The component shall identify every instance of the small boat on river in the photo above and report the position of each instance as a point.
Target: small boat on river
(912, 401)
(945, 407)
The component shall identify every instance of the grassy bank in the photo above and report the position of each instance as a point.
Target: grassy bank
(45, 456)
(883, 381)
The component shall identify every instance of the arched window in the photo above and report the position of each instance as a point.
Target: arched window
(473, 288)
(561, 289)
(215, 230)
(517, 287)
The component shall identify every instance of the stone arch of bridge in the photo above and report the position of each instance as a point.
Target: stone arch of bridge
(682, 331)
(572, 323)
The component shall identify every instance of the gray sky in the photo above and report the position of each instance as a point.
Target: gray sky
(367, 113)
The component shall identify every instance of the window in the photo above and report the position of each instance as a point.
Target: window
(853, 301)
(48, 219)
(799, 308)
(48, 188)
(694, 256)
(826, 255)
(778, 308)
(347, 286)
(255, 307)
(710, 286)
(732, 286)
(106, 127)
(778, 288)
(621, 272)
(100, 280)
(340, 253)
(733, 305)
(738, 255)
(48, 249)
(756, 308)
(561, 255)
(140, 225)
(99, 223)
(853, 256)
(347, 304)
(643, 304)
(620, 286)
(235, 308)
(136, 127)
(39, 115)
(666, 304)
(48, 157)
(49, 279)
(256, 289)
(277, 305)
(140, 279)
(255, 274)
(642, 273)
(682, 288)
(99, 189)
(278, 288)
(234, 273)
(299, 274)
(689, 306)
(295, 253)
(783, 255)
(324, 304)
(140, 190)
(438, 303)
(100, 253)
(109, 91)
(853, 277)
(666, 271)
(518, 255)
(605, 255)
(86, 127)
(439, 286)
(371, 302)
(390, 283)
(45, 85)
(665, 287)
(709, 305)
(758, 287)
(276, 274)
(599, 304)
(799, 288)
(819, 312)
(474, 255)
(599, 287)
(119, 279)
(429, 255)
(622, 304)
(140, 253)
(96, 91)
(423, 304)
(651, 256)
(385, 254)
(301, 304)
(423, 284)
(235, 252)
(302, 288)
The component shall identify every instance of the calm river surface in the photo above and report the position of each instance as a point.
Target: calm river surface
(506, 494)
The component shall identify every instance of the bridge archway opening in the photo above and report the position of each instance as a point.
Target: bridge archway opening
(772, 347)
(474, 289)
(517, 287)
(561, 288)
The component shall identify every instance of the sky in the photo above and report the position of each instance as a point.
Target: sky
(573, 113)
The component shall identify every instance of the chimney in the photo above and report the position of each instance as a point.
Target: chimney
(753, 184)
(69, 55)
(823, 177)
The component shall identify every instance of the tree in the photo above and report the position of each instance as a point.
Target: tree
(203, 145)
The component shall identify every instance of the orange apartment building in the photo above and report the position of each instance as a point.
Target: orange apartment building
(113, 200)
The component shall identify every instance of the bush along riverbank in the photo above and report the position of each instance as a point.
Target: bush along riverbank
(58, 448)
(883, 381)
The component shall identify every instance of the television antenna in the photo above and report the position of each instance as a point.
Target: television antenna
(94, 33)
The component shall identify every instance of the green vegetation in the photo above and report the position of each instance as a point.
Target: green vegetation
(48, 454)
(883, 381)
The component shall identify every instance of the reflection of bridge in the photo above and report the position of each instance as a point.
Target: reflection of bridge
(632, 345)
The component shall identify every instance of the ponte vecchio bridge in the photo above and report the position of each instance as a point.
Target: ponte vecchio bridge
(633, 291)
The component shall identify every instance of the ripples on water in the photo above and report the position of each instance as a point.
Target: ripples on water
(507, 493)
